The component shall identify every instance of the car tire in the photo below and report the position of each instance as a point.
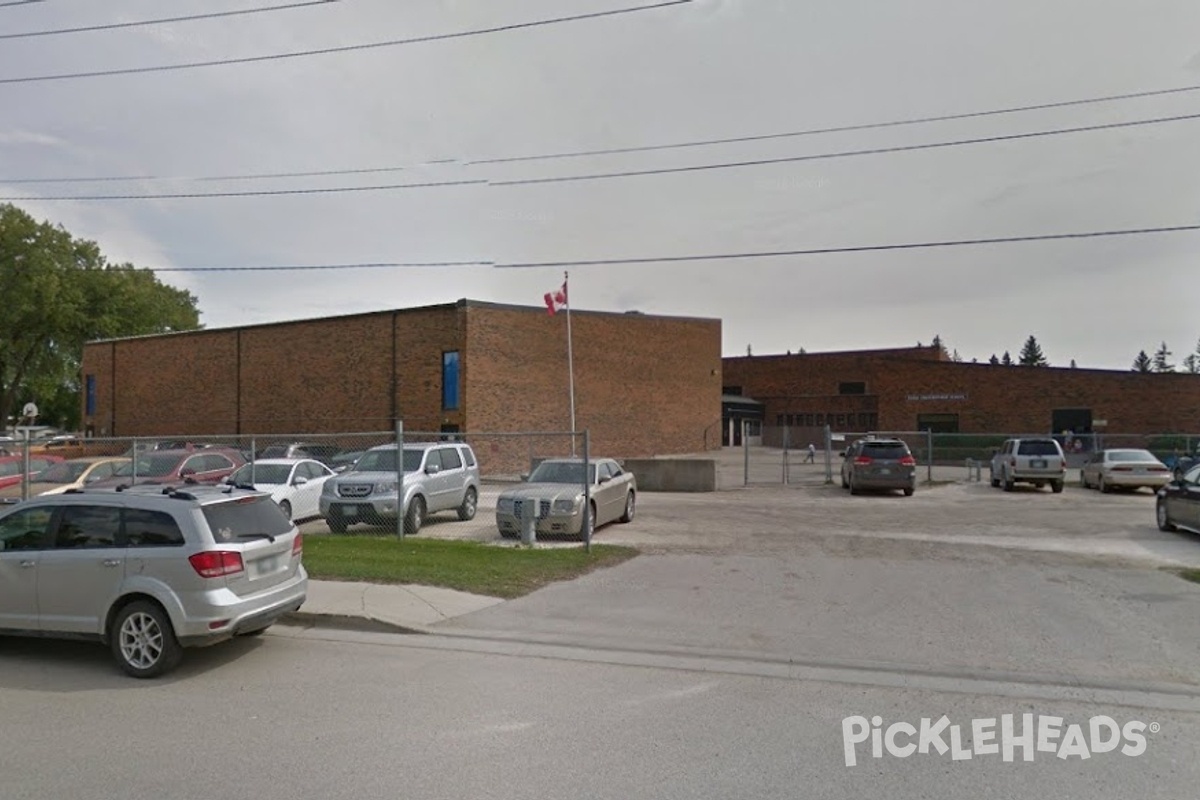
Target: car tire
(470, 504)
(853, 488)
(415, 516)
(995, 481)
(908, 491)
(1008, 482)
(336, 523)
(286, 508)
(1102, 486)
(1083, 480)
(845, 483)
(630, 507)
(1056, 487)
(1161, 516)
(142, 640)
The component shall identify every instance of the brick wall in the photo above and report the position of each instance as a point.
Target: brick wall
(986, 398)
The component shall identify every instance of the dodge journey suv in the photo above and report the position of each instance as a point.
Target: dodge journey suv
(149, 570)
(438, 476)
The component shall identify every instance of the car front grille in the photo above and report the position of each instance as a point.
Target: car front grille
(543, 508)
(354, 489)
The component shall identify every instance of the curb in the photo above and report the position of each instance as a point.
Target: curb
(345, 622)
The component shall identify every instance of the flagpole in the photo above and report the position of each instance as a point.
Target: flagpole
(570, 360)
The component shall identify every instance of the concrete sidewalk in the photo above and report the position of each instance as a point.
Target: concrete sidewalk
(388, 607)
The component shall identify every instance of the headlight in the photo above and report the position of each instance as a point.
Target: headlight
(385, 487)
(505, 505)
(329, 488)
(566, 506)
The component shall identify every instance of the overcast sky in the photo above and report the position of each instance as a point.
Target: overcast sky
(703, 70)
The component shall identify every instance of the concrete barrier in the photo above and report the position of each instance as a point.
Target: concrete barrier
(673, 474)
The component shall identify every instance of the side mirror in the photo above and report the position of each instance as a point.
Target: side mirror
(525, 476)
(605, 478)
(186, 472)
(300, 480)
(432, 469)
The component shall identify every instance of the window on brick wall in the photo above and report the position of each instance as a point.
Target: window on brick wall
(852, 387)
(450, 380)
(810, 420)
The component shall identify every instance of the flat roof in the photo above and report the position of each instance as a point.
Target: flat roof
(462, 303)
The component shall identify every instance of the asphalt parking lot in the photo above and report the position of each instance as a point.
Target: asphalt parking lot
(938, 521)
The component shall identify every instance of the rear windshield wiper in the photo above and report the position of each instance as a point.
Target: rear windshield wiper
(266, 536)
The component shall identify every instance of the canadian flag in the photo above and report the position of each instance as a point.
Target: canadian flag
(556, 300)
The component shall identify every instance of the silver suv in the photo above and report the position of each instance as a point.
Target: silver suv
(438, 476)
(149, 570)
(1039, 461)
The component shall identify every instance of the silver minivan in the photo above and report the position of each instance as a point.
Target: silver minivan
(149, 570)
(438, 476)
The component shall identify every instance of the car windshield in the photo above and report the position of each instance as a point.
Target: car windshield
(64, 472)
(1131, 455)
(562, 472)
(262, 473)
(149, 466)
(385, 461)
(1038, 447)
(886, 450)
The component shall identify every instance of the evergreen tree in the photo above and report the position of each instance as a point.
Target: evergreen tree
(1006, 359)
(955, 356)
(1142, 363)
(1191, 364)
(1031, 353)
(1072, 363)
(1160, 359)
(993, 360)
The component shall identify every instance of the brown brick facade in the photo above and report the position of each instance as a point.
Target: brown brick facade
(902, 385)
(645, 385)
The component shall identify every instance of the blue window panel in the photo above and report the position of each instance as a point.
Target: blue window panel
(91, 395)
(450, 380)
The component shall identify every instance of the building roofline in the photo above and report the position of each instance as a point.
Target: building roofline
(882, 351)
(462, 303)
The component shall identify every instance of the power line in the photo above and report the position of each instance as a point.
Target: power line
(845, 153)
(633, 173)
(161, 20)
(708, 257)
(304, 267)
(19, 2)
(258, 193)
(858, 249)
(341, 49)
(841, 128)
(622, 150)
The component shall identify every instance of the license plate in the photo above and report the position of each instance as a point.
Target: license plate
(265, 566)
(1038, 464)
(349, 511)
(885, 471)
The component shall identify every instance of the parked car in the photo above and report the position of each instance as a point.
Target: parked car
(1183, 464)
(1039, 461)
(146, 572)
(294, 483)
(74, 473)
(317, 451)
(12, 468)
(344, 461)
(207, 465)
(556, 486)
(1178, 503)
(879, 464)
(438, 477)
(1124, 469)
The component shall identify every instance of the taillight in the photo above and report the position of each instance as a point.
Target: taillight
(297, 544)
(1012, 462)
(1063, 463)
(863, 460)
(217, 563)
(1122, 469)
(908, 461)
(1159, 469)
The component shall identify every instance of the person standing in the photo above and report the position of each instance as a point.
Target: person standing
(812, 454)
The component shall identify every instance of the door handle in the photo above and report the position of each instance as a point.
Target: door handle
(28, 564)
(112, 562)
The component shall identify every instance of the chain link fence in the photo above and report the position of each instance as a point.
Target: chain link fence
(351, 482)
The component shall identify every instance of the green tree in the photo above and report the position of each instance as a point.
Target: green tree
(1160, 359)
(1191, 364)
(993, 360)
(1006, 359)
(58, 293)
(1142, 363)
(1031, 354)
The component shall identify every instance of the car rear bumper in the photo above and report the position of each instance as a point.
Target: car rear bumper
(1038, 475)
(901, 479)
(225, 614)
(1153, 481)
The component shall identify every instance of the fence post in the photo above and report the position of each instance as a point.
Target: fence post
(828, 454)
(253, 461)
(746, 453)
(25, 466)
(400, 479)
(929, 455)
(134, 460)
(587, 490)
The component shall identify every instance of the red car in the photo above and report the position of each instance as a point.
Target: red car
(10, 467)
(209, 465)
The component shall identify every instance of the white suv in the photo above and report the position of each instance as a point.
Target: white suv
(148, 570)
(438, 476)
(1039, 461)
